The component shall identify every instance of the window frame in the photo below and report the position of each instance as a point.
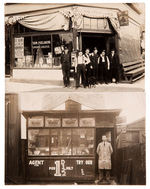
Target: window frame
(36, 34)
(60, 128)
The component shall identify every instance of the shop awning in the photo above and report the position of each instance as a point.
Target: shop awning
(42, 22)
(59, 20)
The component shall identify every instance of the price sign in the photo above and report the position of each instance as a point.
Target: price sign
(53, 169)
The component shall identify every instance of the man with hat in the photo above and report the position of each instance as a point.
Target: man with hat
(94, 61)
(114, 65)
(66, 64)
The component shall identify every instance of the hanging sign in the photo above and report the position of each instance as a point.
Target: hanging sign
(123, 18)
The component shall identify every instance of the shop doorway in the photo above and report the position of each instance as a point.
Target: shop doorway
(101, 41)
(109, 132)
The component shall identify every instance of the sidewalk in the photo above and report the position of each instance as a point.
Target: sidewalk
(16, 86)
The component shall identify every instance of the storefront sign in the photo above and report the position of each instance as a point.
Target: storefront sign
(70, 122)
(19, 47)
(74, 168)
(123, 18)
(41, 44)
(36, 121)
(52, 122)
(36, 163)
(56, 168)
(87, 122)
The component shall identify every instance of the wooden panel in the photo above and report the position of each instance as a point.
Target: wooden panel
(12, 138)
(61, 168)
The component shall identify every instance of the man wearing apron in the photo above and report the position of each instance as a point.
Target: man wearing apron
(104, 151)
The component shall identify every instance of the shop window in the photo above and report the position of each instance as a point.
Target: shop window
(59, 142)
(83, 141)
(38, 142)
(23, 52)
(42, 54)
(40, 51)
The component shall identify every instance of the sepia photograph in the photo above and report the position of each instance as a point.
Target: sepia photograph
(75, 138)
(69, 47)
(74, 99)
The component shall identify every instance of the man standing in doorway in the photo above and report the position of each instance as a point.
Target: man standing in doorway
(66, 64)
(104, 151)
(115, 66)
(94, 61)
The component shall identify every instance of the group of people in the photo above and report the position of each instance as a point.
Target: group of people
(91, 68)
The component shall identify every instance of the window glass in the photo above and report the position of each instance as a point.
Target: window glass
(38, 142)
(83, 141)
(23, 52)
(57, 142)
(19, 52)
(40, 51)
(42, 54)
(60, 142)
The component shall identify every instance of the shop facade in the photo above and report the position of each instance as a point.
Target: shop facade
(36, 39)
(58, 145)
(61, 145)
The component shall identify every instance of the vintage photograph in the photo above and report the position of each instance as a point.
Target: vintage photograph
(75, 138)
(74, 94)
(69, 47)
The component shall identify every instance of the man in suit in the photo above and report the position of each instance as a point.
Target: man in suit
(115, 66)
(66, 64)
(104, 68)
(104, 151)
(94, 62)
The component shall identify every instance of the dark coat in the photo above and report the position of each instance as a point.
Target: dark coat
(114, 61)
(103, 64)
(94, 59)
(66, 60)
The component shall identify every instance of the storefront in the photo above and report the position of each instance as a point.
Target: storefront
(37, 39)
(61, 145)
(55, 141)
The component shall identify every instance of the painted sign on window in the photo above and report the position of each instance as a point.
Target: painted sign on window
(36, 121)
(70, 122)
(52, 122)
(87, 122)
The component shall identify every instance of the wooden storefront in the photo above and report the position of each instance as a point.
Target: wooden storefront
(61, 145)
(81, 27)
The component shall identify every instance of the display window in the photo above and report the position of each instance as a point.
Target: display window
(60, 142)
(83, 141)
(41, 51)
(38, 142)
(42, 54)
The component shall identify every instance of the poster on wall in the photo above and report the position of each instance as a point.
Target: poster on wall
(19, 47)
